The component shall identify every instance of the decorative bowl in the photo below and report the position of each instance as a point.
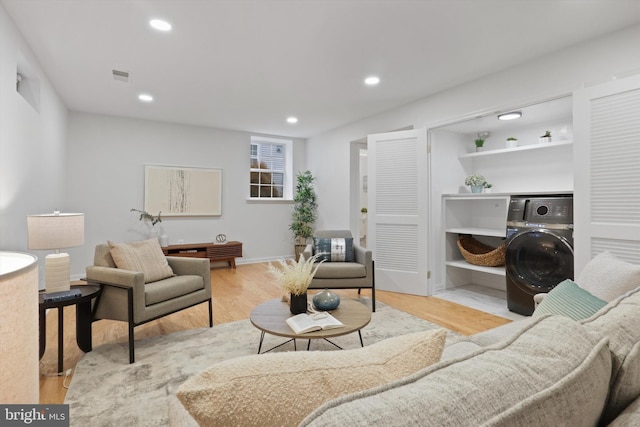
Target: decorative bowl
(326, 300)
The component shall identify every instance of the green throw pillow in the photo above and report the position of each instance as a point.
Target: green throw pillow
(569, 300)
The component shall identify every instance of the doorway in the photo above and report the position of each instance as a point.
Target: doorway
(359, 189)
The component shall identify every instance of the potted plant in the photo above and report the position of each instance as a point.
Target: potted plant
(512, 142)
(147, 218)
(487, 187)
(294, 277)
(479, 144)
(476, 182)
(304, 212)
(546, 137)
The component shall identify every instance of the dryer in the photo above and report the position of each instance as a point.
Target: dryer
(539, 247)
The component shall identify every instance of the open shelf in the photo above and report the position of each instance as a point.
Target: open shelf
(478, 231)
(499, 271)
(539, 146)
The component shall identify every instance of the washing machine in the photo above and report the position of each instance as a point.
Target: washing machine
(539, 247)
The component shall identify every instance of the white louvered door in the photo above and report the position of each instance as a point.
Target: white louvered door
(607, 171)
(398, 210)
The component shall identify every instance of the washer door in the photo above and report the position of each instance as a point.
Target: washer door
(537, 260)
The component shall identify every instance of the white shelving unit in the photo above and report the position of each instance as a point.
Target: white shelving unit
(540, 146)
(484, 217)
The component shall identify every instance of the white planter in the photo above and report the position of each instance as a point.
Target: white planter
(544, 139)
(512, 144)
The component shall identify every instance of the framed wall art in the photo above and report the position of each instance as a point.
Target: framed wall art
(182, 191)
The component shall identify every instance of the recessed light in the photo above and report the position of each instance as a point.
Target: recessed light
(160, 25)
(292, 120)
(144, 97)
(372, 81)
(510, 115)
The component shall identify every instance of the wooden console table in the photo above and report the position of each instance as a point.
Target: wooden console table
(215, 252)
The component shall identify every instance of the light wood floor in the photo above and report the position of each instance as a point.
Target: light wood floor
(235, 294)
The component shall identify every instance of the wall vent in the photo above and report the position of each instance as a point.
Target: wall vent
(122, 76)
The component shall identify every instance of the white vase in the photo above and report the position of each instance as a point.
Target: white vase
(153, 233)
(512, 144)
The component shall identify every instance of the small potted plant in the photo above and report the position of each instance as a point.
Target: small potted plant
(294, 277)
(512, 142)
(476, 182)
(546, 137)
(487, 187)
(479, 144)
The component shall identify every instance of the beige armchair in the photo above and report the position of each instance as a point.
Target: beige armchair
(126, 297)
(356, 274)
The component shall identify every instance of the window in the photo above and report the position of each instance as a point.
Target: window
(270, 174)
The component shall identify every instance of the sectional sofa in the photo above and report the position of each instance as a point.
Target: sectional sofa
(547, 370)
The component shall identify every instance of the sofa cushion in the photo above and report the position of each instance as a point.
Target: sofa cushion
(553, 373)
(459, 349)
(171, 287)
(340, 270)
(145, 256)
(608, 277)
(102, 256)
(620, 322)
(336, 249)
(569, 300)
(282, 388)
(629, 417)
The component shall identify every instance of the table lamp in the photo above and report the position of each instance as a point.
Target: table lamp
(56, 231)
(20, 374)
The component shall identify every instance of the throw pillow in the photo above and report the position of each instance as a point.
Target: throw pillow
(569, 300)
(608, 277)
(145, 256)
(282, 388)
(337, 249)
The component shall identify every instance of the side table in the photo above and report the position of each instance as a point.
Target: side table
(84, 319)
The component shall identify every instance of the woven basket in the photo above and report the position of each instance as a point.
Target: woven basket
(477, 253)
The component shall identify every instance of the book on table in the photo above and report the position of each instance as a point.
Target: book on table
(303, 323)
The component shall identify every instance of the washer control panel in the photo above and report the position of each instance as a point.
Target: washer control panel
(541, 209)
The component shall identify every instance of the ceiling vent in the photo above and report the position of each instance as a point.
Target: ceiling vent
(122, 76)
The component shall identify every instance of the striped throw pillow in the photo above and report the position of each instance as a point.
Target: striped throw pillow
(334, 250)
(569, 300)
(145, 256)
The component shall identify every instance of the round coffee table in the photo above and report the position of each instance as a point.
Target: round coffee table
(270, 317)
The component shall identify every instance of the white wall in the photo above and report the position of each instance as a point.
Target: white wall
(33, 145)
(550, 76)
(106, 179)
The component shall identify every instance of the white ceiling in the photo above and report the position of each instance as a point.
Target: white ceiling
(248, 64)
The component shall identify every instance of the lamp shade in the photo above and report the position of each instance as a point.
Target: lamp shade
(19, 328)
(55, 231)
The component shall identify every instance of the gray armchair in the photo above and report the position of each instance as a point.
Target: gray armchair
(126, 297)
(357, 274)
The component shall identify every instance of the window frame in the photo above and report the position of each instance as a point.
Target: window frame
(287, 193)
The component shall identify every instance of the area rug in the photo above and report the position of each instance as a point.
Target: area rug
(106, 390)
